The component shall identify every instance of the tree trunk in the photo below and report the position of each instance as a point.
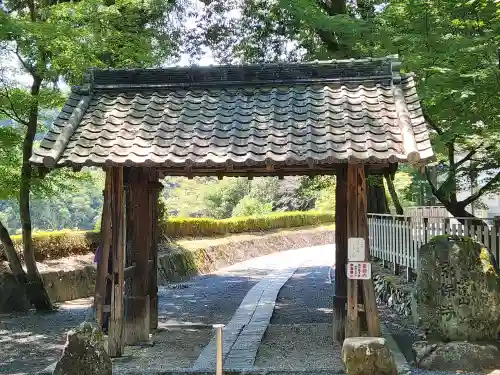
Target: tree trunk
(377, 200)
(394, 194)
(11, 254)
(36, 290)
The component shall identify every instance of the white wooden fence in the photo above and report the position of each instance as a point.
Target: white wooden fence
(396, 238)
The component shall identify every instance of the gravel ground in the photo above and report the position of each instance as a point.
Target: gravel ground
(306, 297)
(299, 347)
(30, 342)
(299, 336)
(173, 348)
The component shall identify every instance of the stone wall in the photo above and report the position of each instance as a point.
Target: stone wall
(175, 262)
(178, 263)
(61, 286)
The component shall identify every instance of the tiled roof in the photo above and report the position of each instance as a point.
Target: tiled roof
(241, 116)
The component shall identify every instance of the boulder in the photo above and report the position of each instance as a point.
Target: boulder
(367, 356)
(84, 353)
(456, 356)
(457, 292)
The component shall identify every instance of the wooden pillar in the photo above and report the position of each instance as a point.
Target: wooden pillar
(154, 191)
(357, 226)
(116, 340)
(356, 197)
(340, 295)
(139, 222)
(102, 275)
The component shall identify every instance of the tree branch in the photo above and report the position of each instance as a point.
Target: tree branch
(432, 124)
(26, 66)
(13, 113)
(481, 191)
(469, 155)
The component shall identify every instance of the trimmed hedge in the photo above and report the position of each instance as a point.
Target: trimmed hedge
(59, 244)
(203, 227)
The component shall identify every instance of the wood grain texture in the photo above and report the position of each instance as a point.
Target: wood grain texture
(116, 340)
(352, 324)
(339, 313)
(139, 223)
(103, 260)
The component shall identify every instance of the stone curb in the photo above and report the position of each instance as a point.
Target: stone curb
(402, 365)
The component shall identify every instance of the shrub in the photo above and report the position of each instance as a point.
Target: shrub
(55, 245)
(196, 227)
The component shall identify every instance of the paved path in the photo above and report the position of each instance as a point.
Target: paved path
(243, 334)
(30, 341)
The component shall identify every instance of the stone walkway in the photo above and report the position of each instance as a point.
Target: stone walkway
(243, 334)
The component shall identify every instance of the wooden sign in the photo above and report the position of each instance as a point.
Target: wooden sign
(356, 249)
(359, 270)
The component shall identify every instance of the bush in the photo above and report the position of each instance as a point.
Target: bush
(195, 227)
(55, 245)
(250, 206)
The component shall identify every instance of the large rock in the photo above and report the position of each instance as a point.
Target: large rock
(456, 356)
(457, 292)
(84, 353)
(367, 356)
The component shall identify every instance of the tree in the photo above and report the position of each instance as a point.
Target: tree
(452, 46)
(290, 30)
(60, 40)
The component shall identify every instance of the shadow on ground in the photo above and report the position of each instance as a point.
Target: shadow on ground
(31, 341)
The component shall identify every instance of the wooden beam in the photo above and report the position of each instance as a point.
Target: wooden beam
(353, 176)
(155, 188)
(139, 219)
(340, 296)
(116, 341)
(103, 256)
(369, 299)
(358, 227)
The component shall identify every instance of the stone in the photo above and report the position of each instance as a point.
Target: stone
(367, 356)
(457, 292)
(456, 356)
(84, 353)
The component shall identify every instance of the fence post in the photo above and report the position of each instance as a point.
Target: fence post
(386, 243)
(409, 247)
(426, 227)
(395, 245)
(495, 246)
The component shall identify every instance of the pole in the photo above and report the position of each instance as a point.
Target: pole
(218, 355)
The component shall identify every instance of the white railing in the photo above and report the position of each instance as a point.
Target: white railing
(395, 239)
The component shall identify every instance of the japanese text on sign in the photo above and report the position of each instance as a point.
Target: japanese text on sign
(359, 270)
(355, 249)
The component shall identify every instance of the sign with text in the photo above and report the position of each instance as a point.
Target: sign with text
(359, 270)
(356, 249)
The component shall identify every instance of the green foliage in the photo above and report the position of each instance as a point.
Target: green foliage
(222, 201)
(60, 202)
(58, 244)
(451, 45)
(325, 202)
(55, 245)
(250, 206)
(201, 227)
